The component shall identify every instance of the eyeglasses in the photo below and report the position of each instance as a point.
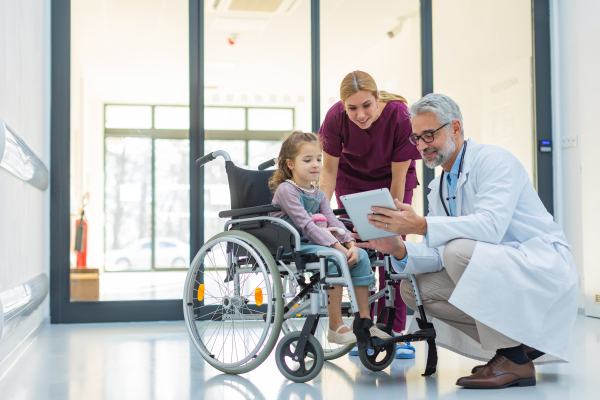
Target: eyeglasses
(427, 137)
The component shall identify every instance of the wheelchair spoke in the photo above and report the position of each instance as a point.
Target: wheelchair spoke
(225, 340)
(204, 315)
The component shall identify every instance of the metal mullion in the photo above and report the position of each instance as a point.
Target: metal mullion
(542, 101)
(153, 200)
(315, 41)
(153, 208)
(196, 133)
(60, 139)
(426, 80)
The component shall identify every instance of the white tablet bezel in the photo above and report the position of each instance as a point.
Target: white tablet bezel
(358, 206)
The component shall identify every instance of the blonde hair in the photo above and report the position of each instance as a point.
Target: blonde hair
(289, 151)
(356, 81)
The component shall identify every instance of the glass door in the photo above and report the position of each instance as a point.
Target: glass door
(134, 135)
(129, 181)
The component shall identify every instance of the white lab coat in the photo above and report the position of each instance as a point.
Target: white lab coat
(521, 280)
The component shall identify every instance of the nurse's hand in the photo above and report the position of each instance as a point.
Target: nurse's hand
(405, 221)
(389, 245)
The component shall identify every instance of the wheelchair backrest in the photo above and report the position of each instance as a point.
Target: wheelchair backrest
(248, 188)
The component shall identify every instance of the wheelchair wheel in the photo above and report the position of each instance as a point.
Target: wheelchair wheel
(305, 368)
(331, 351)
(379, 359)
(232, 285)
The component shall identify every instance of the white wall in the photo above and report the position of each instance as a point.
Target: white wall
(24, 106)
(576, 84)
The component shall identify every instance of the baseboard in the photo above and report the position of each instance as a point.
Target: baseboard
(13, 356)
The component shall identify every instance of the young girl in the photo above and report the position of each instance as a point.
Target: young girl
(299, 165)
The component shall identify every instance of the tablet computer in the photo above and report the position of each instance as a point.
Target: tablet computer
(358, 205)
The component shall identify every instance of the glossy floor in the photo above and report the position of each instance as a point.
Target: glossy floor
(157, 361)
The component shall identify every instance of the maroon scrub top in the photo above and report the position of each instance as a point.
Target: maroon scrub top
(366, 157)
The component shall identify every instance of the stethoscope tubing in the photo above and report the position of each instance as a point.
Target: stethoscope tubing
(460, 166)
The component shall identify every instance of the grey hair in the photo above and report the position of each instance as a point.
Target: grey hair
(445, 109)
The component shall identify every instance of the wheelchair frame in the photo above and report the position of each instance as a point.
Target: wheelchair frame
(252, 219)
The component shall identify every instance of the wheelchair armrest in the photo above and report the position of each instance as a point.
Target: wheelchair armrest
(339, 211)
(258, 210)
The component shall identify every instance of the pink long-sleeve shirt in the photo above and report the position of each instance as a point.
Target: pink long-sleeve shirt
(287, 197)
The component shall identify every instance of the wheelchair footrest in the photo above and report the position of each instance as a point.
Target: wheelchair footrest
(418, 336)
(360, 328)
(423, 334)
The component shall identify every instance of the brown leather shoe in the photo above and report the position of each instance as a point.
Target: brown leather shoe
(530, 351)
(500, 373)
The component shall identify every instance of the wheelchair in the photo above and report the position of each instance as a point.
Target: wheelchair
(250, 282)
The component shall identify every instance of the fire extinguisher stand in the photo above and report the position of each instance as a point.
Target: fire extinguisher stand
(81, 228)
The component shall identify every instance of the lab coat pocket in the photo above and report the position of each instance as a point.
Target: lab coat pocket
(543, 257)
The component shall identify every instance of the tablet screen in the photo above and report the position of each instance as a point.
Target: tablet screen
(358, 206)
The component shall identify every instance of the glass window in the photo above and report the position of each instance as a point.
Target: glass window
(171, 117)
(128, 117)
(260, 151)
(172, 213)
(259, 57)
(270, 119)
(128, 204)
(488, 74)
(224, 119)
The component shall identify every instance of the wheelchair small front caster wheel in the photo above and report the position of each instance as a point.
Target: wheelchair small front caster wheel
(378, 359)
(307, 366)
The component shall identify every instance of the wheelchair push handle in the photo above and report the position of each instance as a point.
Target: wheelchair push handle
(203, 160)
(267, 164)
(211, 156)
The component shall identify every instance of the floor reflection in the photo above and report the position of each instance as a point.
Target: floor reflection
(158, 361)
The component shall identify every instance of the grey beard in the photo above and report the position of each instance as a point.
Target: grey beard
(444, 154)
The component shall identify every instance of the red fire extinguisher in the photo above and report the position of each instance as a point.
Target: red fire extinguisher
(81, 228)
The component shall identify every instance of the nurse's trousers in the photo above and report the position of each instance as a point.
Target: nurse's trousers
(436, 289)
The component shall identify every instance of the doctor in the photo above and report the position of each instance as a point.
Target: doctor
(494, 270)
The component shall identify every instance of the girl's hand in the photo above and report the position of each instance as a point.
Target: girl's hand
(352, 255)
(341, 248)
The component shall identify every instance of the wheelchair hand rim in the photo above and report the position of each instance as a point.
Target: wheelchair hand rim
(189, 288)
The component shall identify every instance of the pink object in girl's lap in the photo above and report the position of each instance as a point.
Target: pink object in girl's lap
(321, 221)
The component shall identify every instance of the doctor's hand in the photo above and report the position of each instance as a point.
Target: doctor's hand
(389, 245)
(405, 221)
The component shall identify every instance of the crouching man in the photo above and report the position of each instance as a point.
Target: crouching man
(494, 269)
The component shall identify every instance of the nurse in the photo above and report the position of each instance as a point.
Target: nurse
(366, 147)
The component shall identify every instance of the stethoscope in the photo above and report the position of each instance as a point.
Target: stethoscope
(462, 158)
